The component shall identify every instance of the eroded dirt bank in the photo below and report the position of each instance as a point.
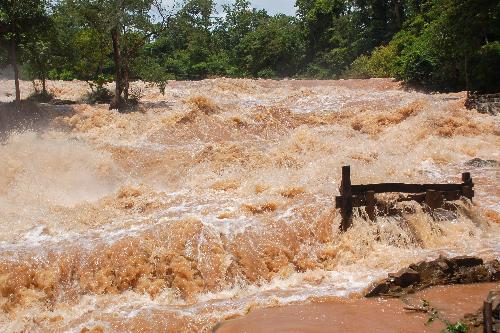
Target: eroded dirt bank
(218, 198)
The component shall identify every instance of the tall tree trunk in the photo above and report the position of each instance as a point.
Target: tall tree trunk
(126, 74)
(398, 12)
(116, 103)
(44, 90)
(13, 62)
(126, 84)
(467, 86)
(102, 47)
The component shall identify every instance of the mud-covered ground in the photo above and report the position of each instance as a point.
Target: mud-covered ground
(218, 197)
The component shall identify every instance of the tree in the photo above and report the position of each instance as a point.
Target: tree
(239, 19)
(339, 31)
(38, 60)
(129, 25)
(19, 21)
(81, 46)
(274, 48)
(185, 48)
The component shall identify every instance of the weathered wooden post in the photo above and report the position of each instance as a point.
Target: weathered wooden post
(467, 185)
(370, 204)
(488, 317)
(346, 204)
(434, 199)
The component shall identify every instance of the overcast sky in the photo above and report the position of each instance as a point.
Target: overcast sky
(272, 6)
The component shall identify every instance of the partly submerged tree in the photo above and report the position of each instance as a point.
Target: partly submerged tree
(129, 25)
(19, 22)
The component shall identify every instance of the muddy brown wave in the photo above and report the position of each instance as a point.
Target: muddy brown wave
(218, 198)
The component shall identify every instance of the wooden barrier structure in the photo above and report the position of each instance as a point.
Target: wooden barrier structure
(491, 312)
(432, 195)
(487, 317)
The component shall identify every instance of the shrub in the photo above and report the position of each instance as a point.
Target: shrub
(482, 66)
(135, 95)
(316, 71)
(381, 63)
(99, 95)
(41, 96)
(266, 73)
(360, 68)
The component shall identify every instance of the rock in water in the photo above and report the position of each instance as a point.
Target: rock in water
(442, 271)
(480, 163)
(405, 277)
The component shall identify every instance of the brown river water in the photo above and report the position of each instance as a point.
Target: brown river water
(218, 198)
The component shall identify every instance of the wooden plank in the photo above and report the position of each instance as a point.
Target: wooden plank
(467, 192)
(466, 178)
(434, 199)
(404, 188)
(360, 200)
(452, 195)
(370, 205)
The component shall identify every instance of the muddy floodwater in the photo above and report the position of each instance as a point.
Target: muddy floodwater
(217, 198)
(366, 315)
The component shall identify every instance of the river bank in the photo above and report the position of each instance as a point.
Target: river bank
(358, 315)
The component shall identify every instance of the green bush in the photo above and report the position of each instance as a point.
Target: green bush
(315, 70)
(360, 68)
(65, 75)
(483, 65)
(135, 95)
(266, 73)
(99, 95)
(41, 96)
(381, 63)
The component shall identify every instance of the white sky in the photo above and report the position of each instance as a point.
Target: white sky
(272, 6)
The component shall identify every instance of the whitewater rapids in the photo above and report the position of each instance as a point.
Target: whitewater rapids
(218, 197)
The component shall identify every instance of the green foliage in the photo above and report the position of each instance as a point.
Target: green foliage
(273, 49)
(148, 69)
(19, 19)
(99, 94)
(443, 45)
(136, 94)
(37, 58)
(456, 328)
(485, 66)
(435, 314)
(381, 63)
(436, 44)
(338, 32)
(20, 22)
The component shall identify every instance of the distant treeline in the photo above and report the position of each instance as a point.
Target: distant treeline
(434, 44)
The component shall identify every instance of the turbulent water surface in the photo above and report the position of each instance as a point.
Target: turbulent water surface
(218, 198)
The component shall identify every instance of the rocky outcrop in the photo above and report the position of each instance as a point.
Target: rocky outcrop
(488, 103)
(480, 163)
(442, 271)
